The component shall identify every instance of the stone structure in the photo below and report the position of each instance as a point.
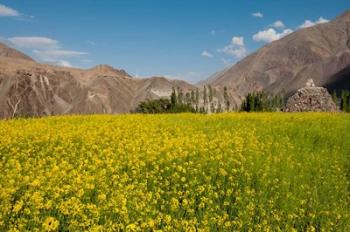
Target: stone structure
(311, 98)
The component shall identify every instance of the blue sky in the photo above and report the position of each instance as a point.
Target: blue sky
(185, 39)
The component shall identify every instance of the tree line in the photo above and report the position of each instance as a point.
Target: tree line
(191, 101)
(262, 102)
(196, 102)
(177, 103)
(342, 100)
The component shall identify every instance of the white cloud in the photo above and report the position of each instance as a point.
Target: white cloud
(322, 20)
(238, 40)
(258, 15)
(226, 62)
(34, 42)
(59, 53)
(238, 52)
(236, 48)
(57, 57)
(309, 23)
(8, 12)
(47, 50)
(278, 24)
(270, 35)
(63, 63)
(207, 54)
(306, 24)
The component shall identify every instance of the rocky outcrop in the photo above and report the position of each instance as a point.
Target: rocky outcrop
(311, 99)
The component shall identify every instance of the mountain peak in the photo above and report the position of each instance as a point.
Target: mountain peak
(107, 69)
(8, 52)
(103, 67)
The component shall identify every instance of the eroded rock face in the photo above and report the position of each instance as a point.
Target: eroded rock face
(311, 98)
(32, 89)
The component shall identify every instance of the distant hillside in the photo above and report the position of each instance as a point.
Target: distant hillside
(318, 52)
(28, 88)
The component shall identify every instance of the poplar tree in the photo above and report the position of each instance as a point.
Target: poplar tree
(173, 98)
(193, 100)
(210, 93)
(205, 97)
(226, 99)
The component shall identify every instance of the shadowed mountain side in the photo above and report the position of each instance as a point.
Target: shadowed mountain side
(340, 80)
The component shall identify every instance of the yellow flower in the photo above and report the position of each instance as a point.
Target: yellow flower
(151, 223)
(18, 206)
(102, 197)
(167, 219)
(174, 204)
(131, 227)
(50, 224)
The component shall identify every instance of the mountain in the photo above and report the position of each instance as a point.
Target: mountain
(158, 87)
(28, 88)
(319, 52)
(8, 52)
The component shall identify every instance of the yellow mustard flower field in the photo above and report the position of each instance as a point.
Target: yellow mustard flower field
(179, 172)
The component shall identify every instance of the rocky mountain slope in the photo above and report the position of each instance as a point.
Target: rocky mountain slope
(319, 52)
(28, 88)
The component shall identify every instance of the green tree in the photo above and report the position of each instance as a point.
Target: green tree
(180, 95)
(205, 97)
(210, 93)
(261, 101)
(219, 109)
(335, 97)
(345, 101)
(173, 98)
(154, 106)
(197, 100)
(188, 98)
(226, 99)
(193, 101)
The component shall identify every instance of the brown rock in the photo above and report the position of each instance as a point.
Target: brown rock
(311, 98)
